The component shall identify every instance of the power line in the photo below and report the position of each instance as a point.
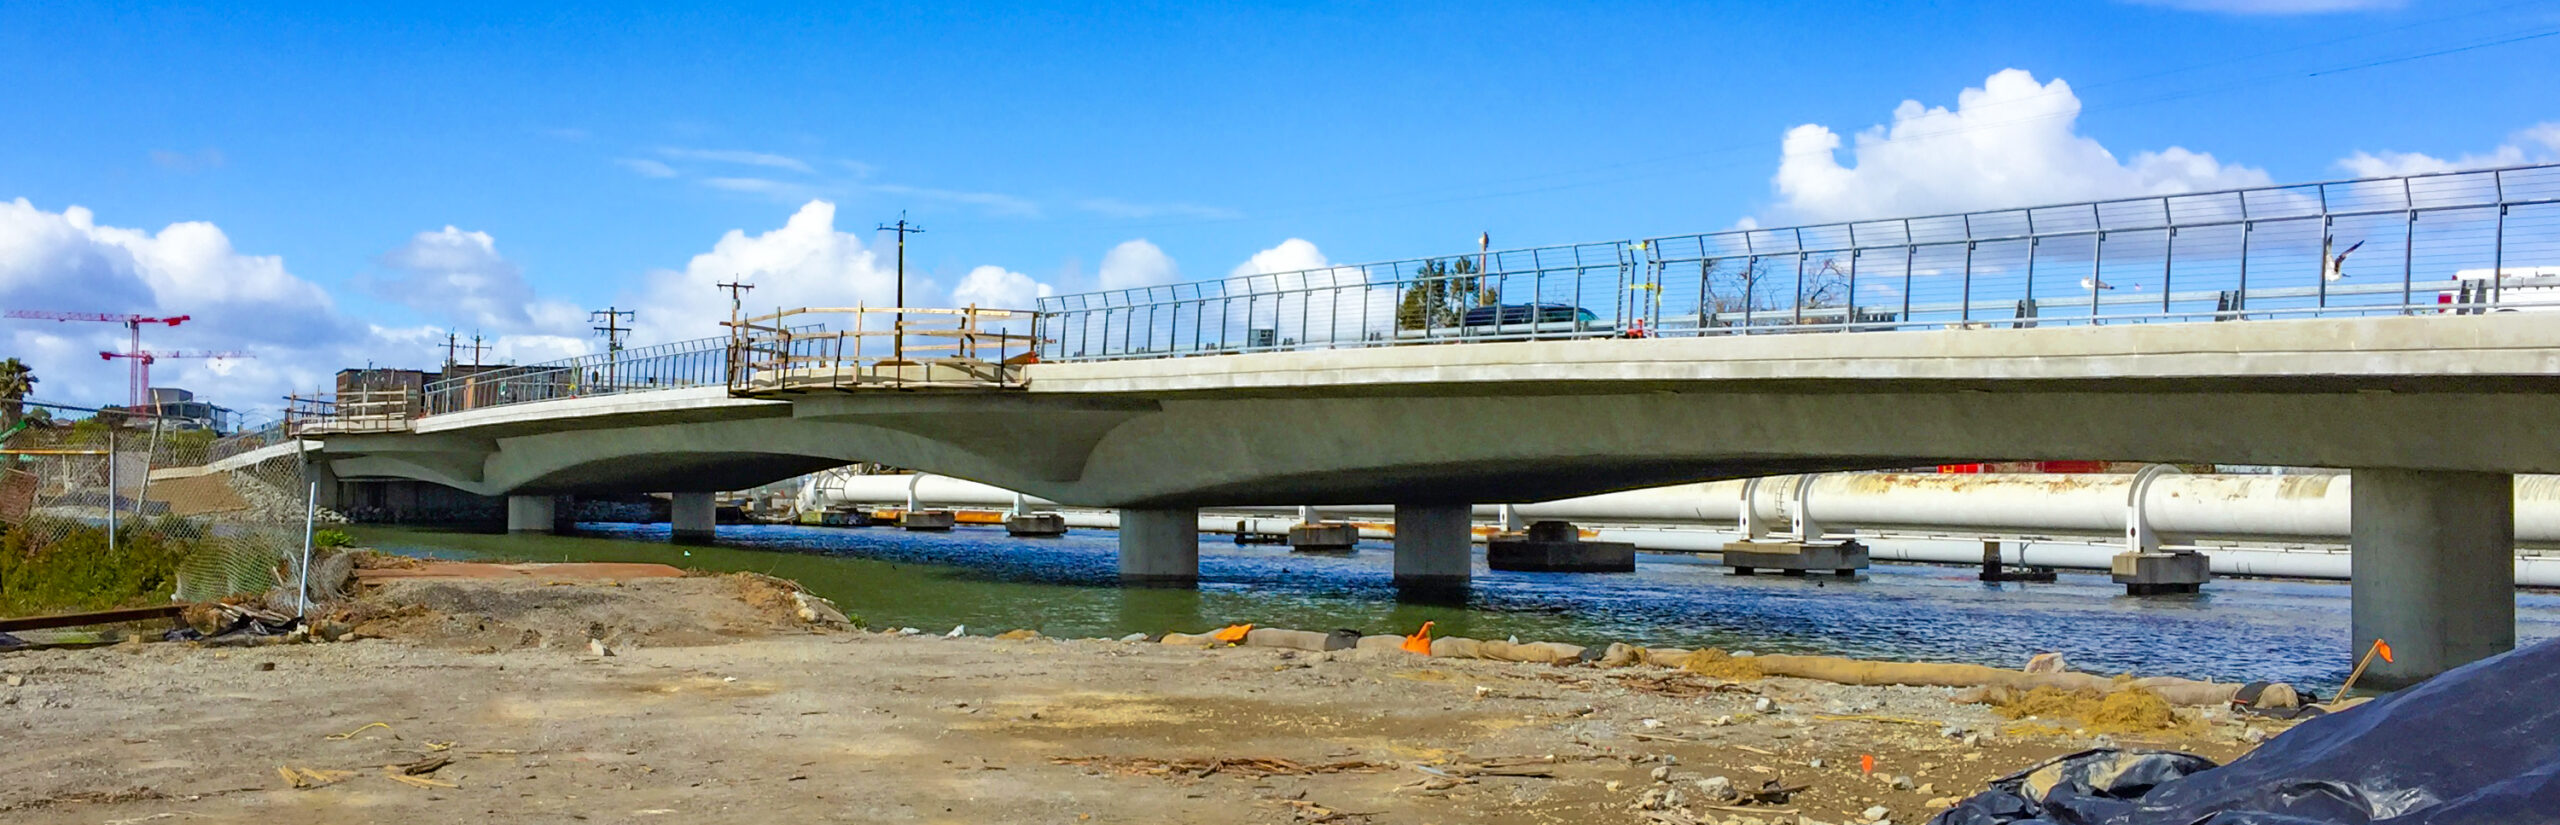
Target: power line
(2437, 53)
(1398, 200)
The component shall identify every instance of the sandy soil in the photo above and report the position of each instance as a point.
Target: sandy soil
(718, 705)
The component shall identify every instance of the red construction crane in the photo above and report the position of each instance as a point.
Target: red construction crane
(143, 359)
(140, 374)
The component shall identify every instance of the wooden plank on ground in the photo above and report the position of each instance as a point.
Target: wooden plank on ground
(130, 614)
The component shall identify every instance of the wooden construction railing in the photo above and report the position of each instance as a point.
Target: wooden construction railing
(921, 348)
(353, 411)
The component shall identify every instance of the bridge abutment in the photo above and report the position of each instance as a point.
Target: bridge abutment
(1432, 545)
(2434, 566)
(693, 517)
(1160, 547)
(533, 514)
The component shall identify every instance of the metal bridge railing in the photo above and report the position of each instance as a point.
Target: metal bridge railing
(2455, 242)
(270, 434)
(702, 362)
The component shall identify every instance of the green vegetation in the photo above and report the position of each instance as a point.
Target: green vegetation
(76, 571)
(1445, 291)
(332, 538)
(16, 381)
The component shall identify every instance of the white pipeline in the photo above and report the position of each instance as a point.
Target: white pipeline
(2075, 521)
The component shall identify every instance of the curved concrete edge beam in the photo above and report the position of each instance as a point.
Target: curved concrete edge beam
(1494, 448)
(666, 406)
(2514, 344)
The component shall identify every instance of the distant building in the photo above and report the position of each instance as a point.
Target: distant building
(180, 408)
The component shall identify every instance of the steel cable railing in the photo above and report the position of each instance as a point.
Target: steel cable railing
(2455, 242)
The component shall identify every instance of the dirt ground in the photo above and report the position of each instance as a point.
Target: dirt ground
(718, 704)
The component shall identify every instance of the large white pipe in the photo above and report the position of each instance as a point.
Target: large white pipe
(2301, 508)
(1902, 516)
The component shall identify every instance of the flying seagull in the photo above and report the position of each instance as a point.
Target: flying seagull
(2337, 264)
(2093, 284)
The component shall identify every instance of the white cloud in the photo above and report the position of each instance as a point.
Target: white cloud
(2012, 142)
(1291, 255)
(780, 190)
(2275, 7)
(993, 203)
(994, 287)
(1116, 208)
(648, 168)
(206, 158)
(67, 261)
(2539, 143)
(1137, 263)
(1317, 300)
(805, 263)
(458, 277)
(739, 157)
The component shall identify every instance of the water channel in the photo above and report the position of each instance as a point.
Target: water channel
(2238, 629)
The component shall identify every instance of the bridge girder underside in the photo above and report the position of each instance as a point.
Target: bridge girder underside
(1439, 446)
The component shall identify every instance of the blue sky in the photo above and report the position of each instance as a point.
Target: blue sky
(326, 185)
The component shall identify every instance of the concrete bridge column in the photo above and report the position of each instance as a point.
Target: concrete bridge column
(693, 517)
(2434, 560)
(532, 514)
(317, 471)
(1432, 544)
(1160, 547)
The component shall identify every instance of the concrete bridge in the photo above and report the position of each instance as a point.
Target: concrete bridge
(1403, 384)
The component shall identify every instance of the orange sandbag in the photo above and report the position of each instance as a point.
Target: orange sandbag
(1420, 641)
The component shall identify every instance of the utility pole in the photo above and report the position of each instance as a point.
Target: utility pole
(453, 350)
(738, 289)
(613, 330)
(737, 303)
(898, 324)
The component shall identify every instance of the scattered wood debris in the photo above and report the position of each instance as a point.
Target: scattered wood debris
(308, 778)
(1310, 812)
(1202, 768)
(421, 767)
(1682, 685)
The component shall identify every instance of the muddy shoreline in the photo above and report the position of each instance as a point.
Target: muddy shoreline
(717, 704)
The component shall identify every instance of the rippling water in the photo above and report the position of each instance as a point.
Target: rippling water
(980, 577)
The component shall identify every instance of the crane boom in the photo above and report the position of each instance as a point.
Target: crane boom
(140, 375)
(107, 317)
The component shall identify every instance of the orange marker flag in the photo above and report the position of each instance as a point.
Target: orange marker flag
(1420, 641)
(2382, 647)
(1867, 763)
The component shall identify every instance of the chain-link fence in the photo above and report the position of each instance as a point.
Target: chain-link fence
(109, 511)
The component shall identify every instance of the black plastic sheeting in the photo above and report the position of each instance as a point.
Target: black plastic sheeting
(2479, 745)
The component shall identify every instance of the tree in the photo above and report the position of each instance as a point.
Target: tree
(17, 381)
(1732, 289)
(1441, 293)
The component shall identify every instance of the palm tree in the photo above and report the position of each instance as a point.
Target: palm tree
(17, 381)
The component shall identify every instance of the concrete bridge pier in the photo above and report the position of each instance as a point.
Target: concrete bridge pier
(533, 514)
(327, 488)
(1432, 547)
(1160, 547)
(693, 517)
(2434, 561)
